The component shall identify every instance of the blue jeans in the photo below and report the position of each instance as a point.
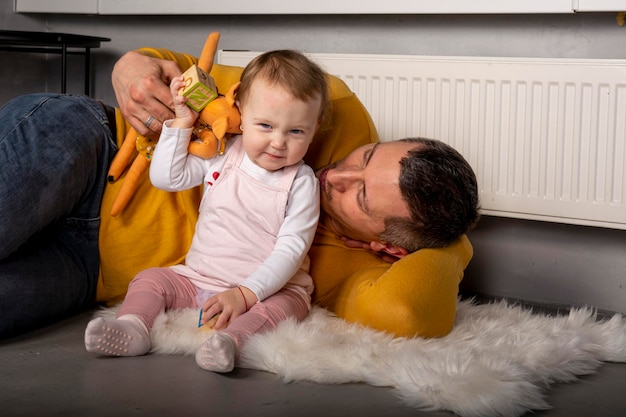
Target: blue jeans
(54, 155)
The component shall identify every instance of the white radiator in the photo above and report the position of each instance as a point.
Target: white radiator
(546, 137)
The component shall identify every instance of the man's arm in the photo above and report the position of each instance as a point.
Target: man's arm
(416, 296)
(141, 83)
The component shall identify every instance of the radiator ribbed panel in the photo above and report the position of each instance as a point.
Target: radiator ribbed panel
(545, 137)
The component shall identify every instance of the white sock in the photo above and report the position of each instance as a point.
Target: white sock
(217, 353)
(125, 336)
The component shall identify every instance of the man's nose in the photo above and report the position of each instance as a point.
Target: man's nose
(342, 179)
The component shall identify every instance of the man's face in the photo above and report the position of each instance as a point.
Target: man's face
(360, 191)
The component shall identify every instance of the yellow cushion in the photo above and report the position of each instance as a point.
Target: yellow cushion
(415, 296)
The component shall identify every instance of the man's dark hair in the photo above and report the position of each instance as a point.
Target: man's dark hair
(440, 189)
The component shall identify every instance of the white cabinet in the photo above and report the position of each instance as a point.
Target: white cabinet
(333, 7)
(57, 6)
(212, 7)
(600, 5)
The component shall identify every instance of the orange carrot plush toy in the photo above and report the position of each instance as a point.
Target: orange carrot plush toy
(218, 120)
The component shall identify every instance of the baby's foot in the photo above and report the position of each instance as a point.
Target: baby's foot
(217, 353)
(117, 337)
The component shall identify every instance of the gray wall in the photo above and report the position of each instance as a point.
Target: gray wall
(548, 263)
(535, 261)
(576, 35)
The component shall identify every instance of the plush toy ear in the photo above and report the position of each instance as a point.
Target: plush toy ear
(209, 49)
(232, 93)
(220, 126)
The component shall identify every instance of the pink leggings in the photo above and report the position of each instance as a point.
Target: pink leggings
(156, 290)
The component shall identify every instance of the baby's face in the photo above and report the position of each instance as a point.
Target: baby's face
(277, 127)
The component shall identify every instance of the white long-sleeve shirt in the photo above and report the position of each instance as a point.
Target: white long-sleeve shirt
(223, 251)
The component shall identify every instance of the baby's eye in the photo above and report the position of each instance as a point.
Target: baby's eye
(296, 131)
(265, 126)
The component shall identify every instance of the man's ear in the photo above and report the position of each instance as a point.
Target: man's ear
(392, 250)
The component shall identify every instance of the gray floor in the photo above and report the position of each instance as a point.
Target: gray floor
(49, 373)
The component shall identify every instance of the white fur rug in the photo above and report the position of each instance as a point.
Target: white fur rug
(497, 361)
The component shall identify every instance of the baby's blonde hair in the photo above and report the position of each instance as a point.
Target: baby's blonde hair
(290, 69)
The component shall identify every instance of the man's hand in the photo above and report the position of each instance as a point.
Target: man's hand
(141, 85)
(359, 244)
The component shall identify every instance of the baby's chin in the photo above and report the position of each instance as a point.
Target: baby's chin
(270, 163)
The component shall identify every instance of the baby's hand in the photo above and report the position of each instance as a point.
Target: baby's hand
(185, 116)
(229, 304)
